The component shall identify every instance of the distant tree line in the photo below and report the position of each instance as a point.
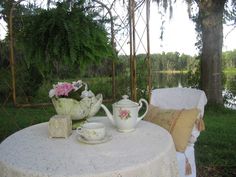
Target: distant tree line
(174, 61)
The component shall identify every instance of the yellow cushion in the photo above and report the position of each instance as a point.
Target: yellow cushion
(178, 122)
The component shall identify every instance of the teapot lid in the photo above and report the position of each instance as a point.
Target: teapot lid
(126, 102)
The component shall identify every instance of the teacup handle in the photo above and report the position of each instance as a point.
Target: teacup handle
(140, 105)
(79, 130)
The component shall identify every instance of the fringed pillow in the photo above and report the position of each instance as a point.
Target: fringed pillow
(178, 122)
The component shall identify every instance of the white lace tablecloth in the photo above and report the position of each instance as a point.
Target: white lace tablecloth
(146, 152)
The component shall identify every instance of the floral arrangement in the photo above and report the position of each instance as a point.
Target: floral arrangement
(70, 90)
(74, 99)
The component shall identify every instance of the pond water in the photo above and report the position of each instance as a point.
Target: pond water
(161, 80)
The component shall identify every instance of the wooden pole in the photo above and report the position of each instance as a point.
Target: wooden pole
(134, 54)
(130, 46)
(11, 55)
(113, 61)
(132, 51)
(149, 66)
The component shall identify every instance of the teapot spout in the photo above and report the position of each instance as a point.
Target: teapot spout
(109, 115)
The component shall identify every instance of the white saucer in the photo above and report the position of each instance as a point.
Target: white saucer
(107, 137)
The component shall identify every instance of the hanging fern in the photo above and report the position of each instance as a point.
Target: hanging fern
(63, 35)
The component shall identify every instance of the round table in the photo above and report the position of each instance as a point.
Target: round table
(146, 152)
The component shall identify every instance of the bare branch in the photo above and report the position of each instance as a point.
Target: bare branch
(3, 27)
(234, 27)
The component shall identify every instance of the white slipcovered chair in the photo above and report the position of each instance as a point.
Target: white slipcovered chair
(182, 98)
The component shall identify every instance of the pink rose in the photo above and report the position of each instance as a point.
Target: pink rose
(124, 114)
(63, 89)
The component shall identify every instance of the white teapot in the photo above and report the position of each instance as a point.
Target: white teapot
(125, 114)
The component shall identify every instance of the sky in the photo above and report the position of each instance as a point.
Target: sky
(179, 33)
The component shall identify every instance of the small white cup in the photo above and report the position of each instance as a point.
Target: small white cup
(92, 131)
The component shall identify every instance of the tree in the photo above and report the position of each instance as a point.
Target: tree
(210, 20)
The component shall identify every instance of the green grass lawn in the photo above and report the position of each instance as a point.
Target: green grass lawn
(215, 148)
(13, 119)
(216, 145)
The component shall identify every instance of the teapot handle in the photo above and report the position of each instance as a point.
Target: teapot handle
(140, 105)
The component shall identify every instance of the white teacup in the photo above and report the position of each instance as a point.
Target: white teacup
(92, 131)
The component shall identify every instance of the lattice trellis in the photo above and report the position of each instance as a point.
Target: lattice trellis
(130, 20)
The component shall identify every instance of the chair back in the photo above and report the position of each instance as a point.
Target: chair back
(179, 98)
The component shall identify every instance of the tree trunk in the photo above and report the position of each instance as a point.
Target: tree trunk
(211, 17)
